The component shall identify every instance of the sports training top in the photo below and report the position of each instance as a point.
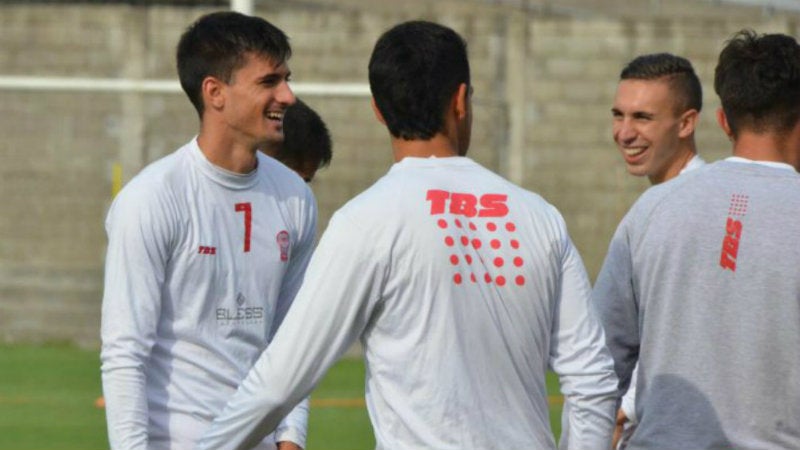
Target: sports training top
(463, 289)
(202, 266)
(701, 283)
(629, 399)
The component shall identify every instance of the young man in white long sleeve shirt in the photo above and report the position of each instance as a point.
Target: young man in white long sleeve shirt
(655, 113)
(207, 248)
(462, 287)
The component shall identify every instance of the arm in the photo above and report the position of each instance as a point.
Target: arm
(334, 305)
(627, 411)
(293, 428)
(628, 406)
(134, 273)
(579, 356)
(615, 302)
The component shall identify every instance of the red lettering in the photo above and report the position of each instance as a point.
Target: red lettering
(727, 262)
(438, 200)
(463, 204)
(730, 244)
(733, 227)
(494, 205)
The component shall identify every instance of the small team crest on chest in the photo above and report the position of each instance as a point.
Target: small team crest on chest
(282, 238)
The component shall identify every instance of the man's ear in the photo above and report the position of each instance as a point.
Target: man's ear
(688, 123)
(377, 112)
(461, 101)
(213, 91)
(722, 120)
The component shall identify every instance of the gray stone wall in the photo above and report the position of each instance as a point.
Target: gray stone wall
(544, 83)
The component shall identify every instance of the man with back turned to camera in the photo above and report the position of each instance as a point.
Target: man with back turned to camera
(207, 248)
(462, 287)
(700, 282)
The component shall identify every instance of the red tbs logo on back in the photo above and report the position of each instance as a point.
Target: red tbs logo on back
(476, 216)
(733, 232)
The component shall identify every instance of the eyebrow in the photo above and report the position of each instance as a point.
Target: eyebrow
(272, 76)
(639, 114)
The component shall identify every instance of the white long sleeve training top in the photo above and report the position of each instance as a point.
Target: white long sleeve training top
(463, 289)
(201, 268)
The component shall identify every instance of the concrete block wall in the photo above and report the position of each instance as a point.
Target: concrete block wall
(544, 85)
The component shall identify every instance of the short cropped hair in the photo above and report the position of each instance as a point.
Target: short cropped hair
(414, 70)
(217, 44)
(305, 138)
(676, 70)
(758, 82)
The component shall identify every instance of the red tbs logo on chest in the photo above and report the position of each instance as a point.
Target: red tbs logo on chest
(483, 245)
(733, 232)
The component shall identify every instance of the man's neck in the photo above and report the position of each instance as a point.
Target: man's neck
(681, 160)
(225, 152)
(767, 146)
(438, 146)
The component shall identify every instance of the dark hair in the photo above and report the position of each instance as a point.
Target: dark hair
(675, 70)
(758, 81)
(218, 43)
(413, 72)
(305, 138)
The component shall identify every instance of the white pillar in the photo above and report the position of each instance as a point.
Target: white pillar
(517, 76)
(242, 6)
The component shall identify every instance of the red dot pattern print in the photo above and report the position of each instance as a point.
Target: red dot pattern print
(499, 262)
(738, 205)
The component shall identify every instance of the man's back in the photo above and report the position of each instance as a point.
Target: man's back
(462, 288)
(713, 260)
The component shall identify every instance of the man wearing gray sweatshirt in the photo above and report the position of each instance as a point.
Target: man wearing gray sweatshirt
(701, 278)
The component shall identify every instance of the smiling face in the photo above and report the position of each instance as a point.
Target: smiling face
(255, 100)
(648, 129)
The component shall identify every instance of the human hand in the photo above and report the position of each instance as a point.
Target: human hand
(288, 445)
(621, 419)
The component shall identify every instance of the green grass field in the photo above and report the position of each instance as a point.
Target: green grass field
(47, 397)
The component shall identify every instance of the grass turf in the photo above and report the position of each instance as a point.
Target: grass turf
(47, 396)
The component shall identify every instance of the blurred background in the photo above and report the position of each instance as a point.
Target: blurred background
(88, 96)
